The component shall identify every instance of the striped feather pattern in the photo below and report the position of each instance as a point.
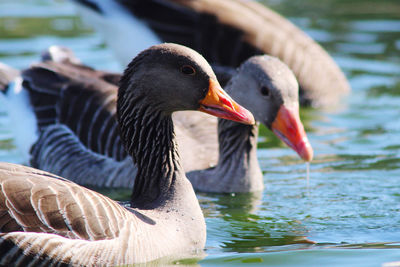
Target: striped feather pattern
(238, 170)
(48, 221)
(153, 150)
(234, 137)
(35, 201)
(42, 202)
(59, 150)
(72, 95)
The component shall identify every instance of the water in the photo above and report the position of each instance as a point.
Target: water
(308, 176)
(349, 213)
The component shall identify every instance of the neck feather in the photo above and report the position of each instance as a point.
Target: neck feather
(237, 144)
(238, 169)
(237, 147)
(148, 136)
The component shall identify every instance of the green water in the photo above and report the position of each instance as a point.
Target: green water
(350, 213)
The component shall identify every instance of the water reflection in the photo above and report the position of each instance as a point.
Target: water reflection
(393, 90)
(245, 230)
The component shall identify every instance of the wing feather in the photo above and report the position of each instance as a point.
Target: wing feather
(77, 96)
(35, 200)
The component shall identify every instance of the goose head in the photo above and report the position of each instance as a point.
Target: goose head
(159, 81)
(173, 77)
(269, 89)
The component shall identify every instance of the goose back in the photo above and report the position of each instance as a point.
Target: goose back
(71, 94)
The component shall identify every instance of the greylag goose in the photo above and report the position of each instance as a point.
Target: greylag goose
(225, 32)
(48, 220)
(82, 142)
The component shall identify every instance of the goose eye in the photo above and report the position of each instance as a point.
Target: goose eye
(188, 70)
(265, 91)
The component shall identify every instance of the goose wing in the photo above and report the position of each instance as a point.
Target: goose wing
(49, 220)
(38, 201)
(59, 150)
(79, 97)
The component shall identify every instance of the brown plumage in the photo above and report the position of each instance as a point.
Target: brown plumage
(64, 222)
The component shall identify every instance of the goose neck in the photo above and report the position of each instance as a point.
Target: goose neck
(237, 144)
(148, 136)
(238, 169)
(238, 166)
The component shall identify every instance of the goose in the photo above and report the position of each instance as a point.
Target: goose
(83, 142)
(225, 32)
(48, 220)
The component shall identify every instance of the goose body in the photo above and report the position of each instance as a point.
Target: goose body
(83, 145)
(48, 220)
(226, 32)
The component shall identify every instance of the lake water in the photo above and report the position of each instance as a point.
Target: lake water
(349, 215)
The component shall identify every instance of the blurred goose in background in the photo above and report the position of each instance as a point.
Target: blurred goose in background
(48, 220)
(83, 144)
(225, 32)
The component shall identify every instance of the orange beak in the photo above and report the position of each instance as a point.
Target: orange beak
(218, 103)
(288, 127)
